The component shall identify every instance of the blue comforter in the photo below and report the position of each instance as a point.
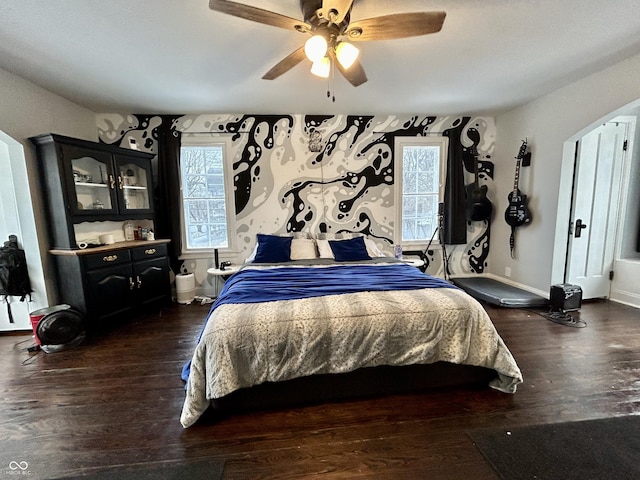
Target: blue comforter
(251, 286)
(290, 283)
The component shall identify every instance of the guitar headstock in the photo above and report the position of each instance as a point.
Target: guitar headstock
(523, 149)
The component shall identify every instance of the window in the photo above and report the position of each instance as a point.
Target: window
(207, 202)
(420, 166)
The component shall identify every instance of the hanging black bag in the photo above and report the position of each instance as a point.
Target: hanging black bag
(14, 276)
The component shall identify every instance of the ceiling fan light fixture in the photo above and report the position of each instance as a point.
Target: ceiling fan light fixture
(346, 54)
(328, 21)
(322, 67)
(315, 48)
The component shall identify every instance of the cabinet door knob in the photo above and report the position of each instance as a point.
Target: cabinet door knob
(119, 182)
(131, 284)
(110, 258)
(112, 182)
(150, 251)
(138, 281)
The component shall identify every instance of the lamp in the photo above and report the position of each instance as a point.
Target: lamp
(321, 68)
(346, 54)
(315, 48)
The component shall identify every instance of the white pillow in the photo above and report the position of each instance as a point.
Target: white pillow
(372, 249)
(303, 249)
(252, 257)
(324, 249)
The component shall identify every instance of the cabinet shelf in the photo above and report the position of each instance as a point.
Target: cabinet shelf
(91, 185)
(89, 182)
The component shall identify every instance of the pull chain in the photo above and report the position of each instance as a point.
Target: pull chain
(333, 81)
(331, 86)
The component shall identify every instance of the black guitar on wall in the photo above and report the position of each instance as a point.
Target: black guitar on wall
(479, 207)
(517, 213)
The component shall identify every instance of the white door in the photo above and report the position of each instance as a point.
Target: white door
(594, 212)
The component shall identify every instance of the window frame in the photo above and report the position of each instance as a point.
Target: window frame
(400, 143)
(209, 140)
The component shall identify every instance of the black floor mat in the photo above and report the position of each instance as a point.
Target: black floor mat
(498, 293)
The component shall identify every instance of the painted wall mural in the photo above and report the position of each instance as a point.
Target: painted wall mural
(283, 185)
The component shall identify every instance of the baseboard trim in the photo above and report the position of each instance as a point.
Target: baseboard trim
(626, 298)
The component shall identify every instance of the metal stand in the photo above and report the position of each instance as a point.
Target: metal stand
(440, 231)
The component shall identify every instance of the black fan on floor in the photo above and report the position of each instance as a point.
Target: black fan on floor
(60, 330)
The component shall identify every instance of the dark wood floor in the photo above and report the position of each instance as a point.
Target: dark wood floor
(116, 400)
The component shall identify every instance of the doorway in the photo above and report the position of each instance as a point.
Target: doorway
(599, 163)
(17, 218)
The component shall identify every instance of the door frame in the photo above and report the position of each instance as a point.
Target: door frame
(17, 209)
(563, 213)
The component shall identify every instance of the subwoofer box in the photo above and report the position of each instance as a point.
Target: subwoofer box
(565, 297)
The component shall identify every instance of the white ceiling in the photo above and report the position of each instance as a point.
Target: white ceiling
(178, 56)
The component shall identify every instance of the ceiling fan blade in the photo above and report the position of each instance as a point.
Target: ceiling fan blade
(285, 64)
(354, 74)
(339, 8)
(399, 25)
(258, 15)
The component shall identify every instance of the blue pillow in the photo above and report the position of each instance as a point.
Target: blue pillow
(350, 250)
(273, 249)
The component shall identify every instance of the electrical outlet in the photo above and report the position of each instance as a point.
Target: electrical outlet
(507, 271)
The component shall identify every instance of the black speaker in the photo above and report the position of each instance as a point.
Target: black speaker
(565, 297)
(216, 259)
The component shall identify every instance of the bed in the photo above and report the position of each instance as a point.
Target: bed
(287, 321)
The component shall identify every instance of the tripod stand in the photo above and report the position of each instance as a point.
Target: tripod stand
(439, 230)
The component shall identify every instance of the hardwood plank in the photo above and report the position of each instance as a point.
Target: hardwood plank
(116, 400)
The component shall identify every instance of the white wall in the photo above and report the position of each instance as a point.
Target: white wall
(548, 123)
(27, 110)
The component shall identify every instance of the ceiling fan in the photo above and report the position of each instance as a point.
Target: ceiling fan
(329, 24)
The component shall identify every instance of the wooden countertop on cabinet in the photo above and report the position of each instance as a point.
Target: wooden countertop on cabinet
(110, 248)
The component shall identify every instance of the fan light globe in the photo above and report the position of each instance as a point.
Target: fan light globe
(315, 48)
(321, 68)
(346, 54)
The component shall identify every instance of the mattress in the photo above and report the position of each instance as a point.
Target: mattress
(274, 323)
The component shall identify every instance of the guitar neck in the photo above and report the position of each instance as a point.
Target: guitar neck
(523, 149)
(516, 180)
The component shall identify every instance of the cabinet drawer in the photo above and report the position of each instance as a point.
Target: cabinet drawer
(151, 251)
(106, 259)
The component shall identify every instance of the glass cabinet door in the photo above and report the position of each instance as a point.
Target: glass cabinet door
(134, 182)
(91, 191)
